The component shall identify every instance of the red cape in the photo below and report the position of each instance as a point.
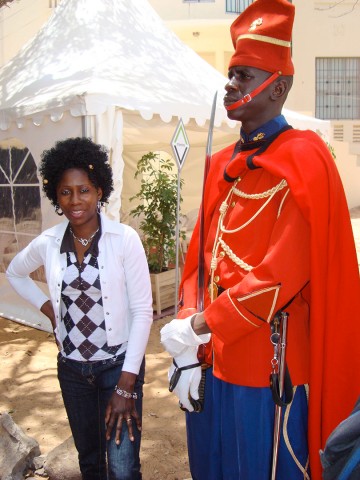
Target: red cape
(305, 162)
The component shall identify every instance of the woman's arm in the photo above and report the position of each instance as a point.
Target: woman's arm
(138, 290)
(24, 263)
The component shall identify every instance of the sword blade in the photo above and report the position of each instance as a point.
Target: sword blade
(201, 258)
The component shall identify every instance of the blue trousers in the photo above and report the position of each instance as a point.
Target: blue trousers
(232, 438)
(86, 389)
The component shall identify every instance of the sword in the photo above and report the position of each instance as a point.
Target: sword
(201, 258)
(199, 404)
(278, 339)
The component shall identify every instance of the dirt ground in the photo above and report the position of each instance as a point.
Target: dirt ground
(29, 391)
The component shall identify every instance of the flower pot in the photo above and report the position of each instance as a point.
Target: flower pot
(163, 289)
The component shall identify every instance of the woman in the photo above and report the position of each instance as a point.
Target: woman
(100, 308)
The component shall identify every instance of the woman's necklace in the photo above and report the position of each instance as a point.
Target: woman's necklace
(84, 241)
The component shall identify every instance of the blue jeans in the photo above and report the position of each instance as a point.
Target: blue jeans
(86, 389)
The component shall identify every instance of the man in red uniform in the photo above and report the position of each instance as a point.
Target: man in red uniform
(277, 235)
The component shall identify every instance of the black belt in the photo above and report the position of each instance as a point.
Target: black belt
(221, 290)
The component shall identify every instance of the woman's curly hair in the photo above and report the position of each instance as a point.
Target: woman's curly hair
(81, 153)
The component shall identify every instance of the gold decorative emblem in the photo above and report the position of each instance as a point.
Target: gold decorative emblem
(259, 136)
(213, 290)
(255, 23)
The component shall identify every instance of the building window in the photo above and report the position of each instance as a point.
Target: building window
(337, 88)
(237, 6)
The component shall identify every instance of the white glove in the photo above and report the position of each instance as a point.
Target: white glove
(178, 335)
(189, 379)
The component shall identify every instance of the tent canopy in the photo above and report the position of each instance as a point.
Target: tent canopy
(92, 55)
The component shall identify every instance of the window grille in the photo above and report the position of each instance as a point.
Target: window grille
(20, 202)
(237, 6)
(337, 88)
(198, 1)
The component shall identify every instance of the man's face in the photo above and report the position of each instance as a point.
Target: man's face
(242, 81)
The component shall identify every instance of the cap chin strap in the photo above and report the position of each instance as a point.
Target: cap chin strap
(249, 96)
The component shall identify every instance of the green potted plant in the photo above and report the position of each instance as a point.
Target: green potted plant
(157, 209)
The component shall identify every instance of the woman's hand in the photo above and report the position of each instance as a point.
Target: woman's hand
(47, 309)
(120, 410)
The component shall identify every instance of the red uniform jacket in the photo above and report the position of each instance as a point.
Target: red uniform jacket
(298, 246)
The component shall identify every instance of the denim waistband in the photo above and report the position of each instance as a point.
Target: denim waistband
(110, 360)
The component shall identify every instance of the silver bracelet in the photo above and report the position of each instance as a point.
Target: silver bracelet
(125, 394)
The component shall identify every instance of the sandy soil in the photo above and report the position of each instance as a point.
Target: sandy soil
(30, 393)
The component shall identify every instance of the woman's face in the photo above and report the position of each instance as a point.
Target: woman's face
(78, 197)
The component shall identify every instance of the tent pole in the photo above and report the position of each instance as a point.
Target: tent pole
(88, 126)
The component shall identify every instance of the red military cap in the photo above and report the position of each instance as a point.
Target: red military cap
(261, 36)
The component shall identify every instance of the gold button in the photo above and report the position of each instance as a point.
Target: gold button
(233, 204)
(222, 254)
(216, 278)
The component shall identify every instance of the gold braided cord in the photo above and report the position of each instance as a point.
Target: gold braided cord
(264, 38)
(288, 444)
(240, 263)
(282, 202)
(268, 194)
(258, 196)
(273, 190)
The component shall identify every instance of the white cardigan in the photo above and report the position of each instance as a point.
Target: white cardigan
(124, 278)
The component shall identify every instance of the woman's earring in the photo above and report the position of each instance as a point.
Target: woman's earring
(58, 210)
(100, 205)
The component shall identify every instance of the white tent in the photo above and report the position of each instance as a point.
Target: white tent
(113, 71)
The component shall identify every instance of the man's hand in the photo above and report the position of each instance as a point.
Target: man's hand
(178, 335)
(180, 340)
(188, 379)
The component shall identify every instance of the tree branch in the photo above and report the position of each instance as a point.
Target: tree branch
(336, 4)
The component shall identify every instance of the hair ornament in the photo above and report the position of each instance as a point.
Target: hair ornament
(91, 167)
(45, 181)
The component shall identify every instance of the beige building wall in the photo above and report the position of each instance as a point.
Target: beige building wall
(211, 41)
(170, 10)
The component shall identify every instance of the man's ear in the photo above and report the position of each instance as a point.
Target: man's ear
(280, 89)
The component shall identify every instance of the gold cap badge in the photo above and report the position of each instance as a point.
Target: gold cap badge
(255, 23)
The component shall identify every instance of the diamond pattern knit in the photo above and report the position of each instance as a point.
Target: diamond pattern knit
(82, 311)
